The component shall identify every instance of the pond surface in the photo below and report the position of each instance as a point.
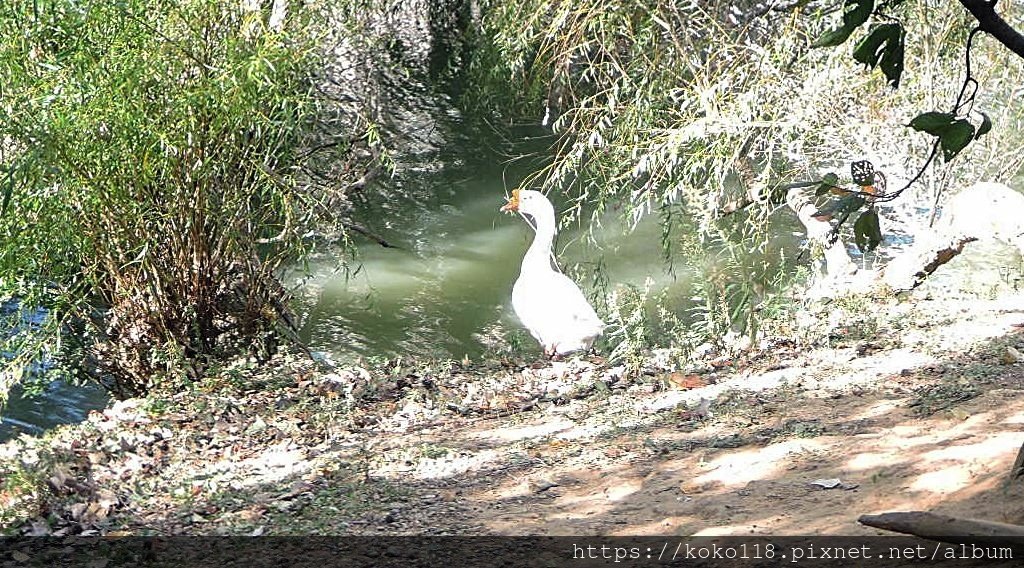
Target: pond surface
(60, 403)
(445, 291)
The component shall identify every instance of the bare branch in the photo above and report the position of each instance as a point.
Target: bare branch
(992, 23)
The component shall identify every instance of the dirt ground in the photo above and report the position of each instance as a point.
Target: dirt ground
(897, 430)
(897, 406)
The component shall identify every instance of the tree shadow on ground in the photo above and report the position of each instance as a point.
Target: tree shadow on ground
(898, 431)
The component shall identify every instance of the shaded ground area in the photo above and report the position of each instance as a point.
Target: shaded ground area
(894, 406)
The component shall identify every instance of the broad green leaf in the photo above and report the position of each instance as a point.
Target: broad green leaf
(841, 208)
(849, 204)
(983, 129)
(866, 231)
(833, 38)
(828, 182)
(932, 122)
(856, 12)
(875, 43)
(892, 60)
(955, 138)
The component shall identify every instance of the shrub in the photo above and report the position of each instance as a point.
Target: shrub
(149, 162)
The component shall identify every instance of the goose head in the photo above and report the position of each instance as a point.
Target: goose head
(533, 204)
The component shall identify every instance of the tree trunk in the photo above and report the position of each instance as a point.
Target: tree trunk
(944, 528)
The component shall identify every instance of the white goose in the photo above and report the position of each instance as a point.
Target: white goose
(549, 304)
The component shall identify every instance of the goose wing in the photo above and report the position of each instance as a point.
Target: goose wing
(555, 310)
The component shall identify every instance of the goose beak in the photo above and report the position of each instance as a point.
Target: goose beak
(513, 203)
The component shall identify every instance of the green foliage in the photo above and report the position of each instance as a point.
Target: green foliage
(828, 184)
(630, 329)
(883, 47)
(855, 14)
(954, 134)
(150, 153)
(695, 111)
(840, 208)
(867, 232)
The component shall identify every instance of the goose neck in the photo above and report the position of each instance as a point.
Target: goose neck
(539, 253)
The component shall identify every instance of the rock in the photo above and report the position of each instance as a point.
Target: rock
(257, 426)
(541, 485)
(1011, 356)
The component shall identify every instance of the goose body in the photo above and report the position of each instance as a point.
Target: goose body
(550, 305)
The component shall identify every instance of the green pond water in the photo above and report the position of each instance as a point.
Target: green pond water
(445, 290)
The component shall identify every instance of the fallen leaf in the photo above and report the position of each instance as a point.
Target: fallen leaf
(541, 485)
(683, 381)
(259, 425)
(959, 413)
(252, 513)
(58, 479)
(20, 556)
(834, 484)
(78, 510)
(96, 511)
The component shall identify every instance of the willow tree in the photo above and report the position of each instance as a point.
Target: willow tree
(702, 112)
(150, 159)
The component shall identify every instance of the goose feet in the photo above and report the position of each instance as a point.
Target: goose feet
(551, 352)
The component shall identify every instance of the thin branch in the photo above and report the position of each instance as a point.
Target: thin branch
(969, 78)
(366, 233)
(969, 81)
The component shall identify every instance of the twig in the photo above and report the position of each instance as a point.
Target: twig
(366, 233)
